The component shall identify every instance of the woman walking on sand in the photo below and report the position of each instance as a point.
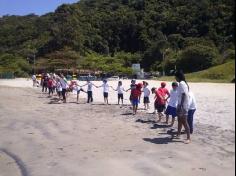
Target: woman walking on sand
(183, 104)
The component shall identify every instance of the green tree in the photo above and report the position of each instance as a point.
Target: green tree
(197, 57)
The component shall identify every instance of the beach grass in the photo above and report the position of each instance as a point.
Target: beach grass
(224, 73)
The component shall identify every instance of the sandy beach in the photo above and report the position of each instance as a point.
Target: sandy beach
(39, 137)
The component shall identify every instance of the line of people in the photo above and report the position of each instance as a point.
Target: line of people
(180, 101)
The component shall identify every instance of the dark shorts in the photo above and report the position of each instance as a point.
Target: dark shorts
(160, 108)
(146, 100)
(120, 96)
(135, 102)
(105, 94)
(171, 111)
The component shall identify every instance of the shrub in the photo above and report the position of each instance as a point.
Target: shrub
(197, 57)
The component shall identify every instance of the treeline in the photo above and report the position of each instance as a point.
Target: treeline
(110, 35)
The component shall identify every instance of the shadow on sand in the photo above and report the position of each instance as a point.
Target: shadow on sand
(146, 121)
(164, 140)
(156, 126)
(127, 114)
(55, 102)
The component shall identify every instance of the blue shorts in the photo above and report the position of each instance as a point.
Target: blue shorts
(171, 111)
(135, 102)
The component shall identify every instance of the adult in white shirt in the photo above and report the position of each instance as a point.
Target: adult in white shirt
(183, 104)
(105, 87)
(191, 110)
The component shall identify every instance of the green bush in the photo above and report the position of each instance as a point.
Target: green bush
(197, 57)
(14, 64)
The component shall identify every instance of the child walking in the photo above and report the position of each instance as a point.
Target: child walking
(160, 102)
(135, 99)
(89, 91)
(50, 87)
(191, 110)
(146, 93)
(77, 89)
(105, 87)
(64, 86)
(59, 88)
(172, 104)
(120, 89)
(132, 86)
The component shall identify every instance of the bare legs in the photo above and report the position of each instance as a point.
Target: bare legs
(146, 106)
(77, 98)
(135, 108)
(105, 100)
(182, 121)
(167, 120)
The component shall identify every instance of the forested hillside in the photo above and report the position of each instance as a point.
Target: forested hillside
(110, 35)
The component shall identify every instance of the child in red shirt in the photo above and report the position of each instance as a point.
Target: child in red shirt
(160, 102)
(50, 86)
(164, 90)
(135, 94)
(139, 87)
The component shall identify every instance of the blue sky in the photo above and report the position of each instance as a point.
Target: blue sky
(24, 7)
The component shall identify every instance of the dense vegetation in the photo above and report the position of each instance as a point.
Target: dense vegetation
(110, 35)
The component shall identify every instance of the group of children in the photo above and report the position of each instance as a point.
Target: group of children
(180, 102)
(166, 103)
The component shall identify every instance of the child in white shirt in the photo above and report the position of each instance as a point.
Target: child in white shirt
(146, 93)
(120, 89)
(172, 104)
(191, 110)
(77, 88)
(105, 87)
(89, 91)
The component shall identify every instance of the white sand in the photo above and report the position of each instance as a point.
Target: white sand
(215, 102)
(40, 138)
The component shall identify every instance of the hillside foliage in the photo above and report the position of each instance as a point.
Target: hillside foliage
(110, 35)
